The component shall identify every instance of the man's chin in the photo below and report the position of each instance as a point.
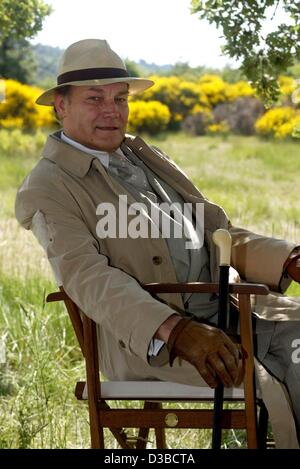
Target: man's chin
(109, 145)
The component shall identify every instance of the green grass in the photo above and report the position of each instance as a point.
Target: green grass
(18, 154)
(255, 181)
(36, 385)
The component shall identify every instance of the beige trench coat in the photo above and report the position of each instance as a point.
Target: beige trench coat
(58, 201)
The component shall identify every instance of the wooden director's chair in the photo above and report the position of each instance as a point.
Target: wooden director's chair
(155, 393)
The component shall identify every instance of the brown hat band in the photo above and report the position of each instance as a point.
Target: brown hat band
(91, 74)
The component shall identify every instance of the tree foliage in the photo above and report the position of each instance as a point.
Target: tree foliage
(264, 56)
(19, 21)
(132, 68)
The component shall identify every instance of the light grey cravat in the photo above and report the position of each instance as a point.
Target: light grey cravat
(130, 175)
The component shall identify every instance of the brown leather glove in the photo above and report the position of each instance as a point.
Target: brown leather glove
(292, 266)
(209, 349)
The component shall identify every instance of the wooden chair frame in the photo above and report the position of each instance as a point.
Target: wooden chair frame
(153, 415)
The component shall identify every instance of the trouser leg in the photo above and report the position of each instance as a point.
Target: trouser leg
(281, 357)
(292, 382)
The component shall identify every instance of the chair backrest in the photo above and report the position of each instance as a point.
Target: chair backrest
(152, 415)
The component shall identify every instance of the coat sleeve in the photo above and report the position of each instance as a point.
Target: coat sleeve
(260, 258)
(108, 295)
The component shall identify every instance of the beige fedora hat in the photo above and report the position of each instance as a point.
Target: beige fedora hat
(92, 62)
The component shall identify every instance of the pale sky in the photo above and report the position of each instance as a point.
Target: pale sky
(160, 31)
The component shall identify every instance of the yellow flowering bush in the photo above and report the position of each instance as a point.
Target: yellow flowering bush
(165, 90)
(194, 98)
(280, 122)
(190, 95)
(18, 110)
(148, 116)
(287, 85)
(180, 96)
(201, 108)
(197, 106)
(213, 89)
(220, 128)
(237, 90)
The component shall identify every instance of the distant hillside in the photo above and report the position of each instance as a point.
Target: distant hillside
(46, 58)
(153, 69)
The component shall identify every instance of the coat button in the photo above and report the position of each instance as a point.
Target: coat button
(122, 344)
(157, 260)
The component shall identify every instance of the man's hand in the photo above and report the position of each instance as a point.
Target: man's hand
(292, 266)
(209, 349)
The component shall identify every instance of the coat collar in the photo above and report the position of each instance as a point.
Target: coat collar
(175, 177)
(66, 156)
(78, 163)
(163, 166)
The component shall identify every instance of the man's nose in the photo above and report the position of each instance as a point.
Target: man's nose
(110, 108)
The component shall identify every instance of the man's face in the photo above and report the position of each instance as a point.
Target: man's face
(95, 116)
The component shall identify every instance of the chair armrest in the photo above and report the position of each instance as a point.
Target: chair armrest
(191, 287)
(200, 287)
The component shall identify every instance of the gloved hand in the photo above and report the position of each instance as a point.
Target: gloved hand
(292, 266)
(209, 349)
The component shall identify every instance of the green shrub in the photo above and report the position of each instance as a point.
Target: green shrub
(197, 123)
(240, 115)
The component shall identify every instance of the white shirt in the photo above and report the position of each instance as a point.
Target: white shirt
(103, 156)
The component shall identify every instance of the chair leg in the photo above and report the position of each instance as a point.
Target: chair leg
(160, 438)
(262, 430)
(142, 438)
(144, 432)
(249, 386)
(97, 435)
(118, 433)
(160, 433)
(121, 437)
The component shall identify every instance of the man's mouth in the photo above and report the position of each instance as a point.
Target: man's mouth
(107, 127)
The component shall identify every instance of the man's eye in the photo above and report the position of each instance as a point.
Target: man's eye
(94, 98)
(121, 99)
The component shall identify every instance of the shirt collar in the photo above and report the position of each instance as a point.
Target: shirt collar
(103, 156)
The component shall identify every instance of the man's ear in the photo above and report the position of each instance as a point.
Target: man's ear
(60, 106)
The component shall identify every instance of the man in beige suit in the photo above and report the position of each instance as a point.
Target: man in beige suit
(91, 169)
